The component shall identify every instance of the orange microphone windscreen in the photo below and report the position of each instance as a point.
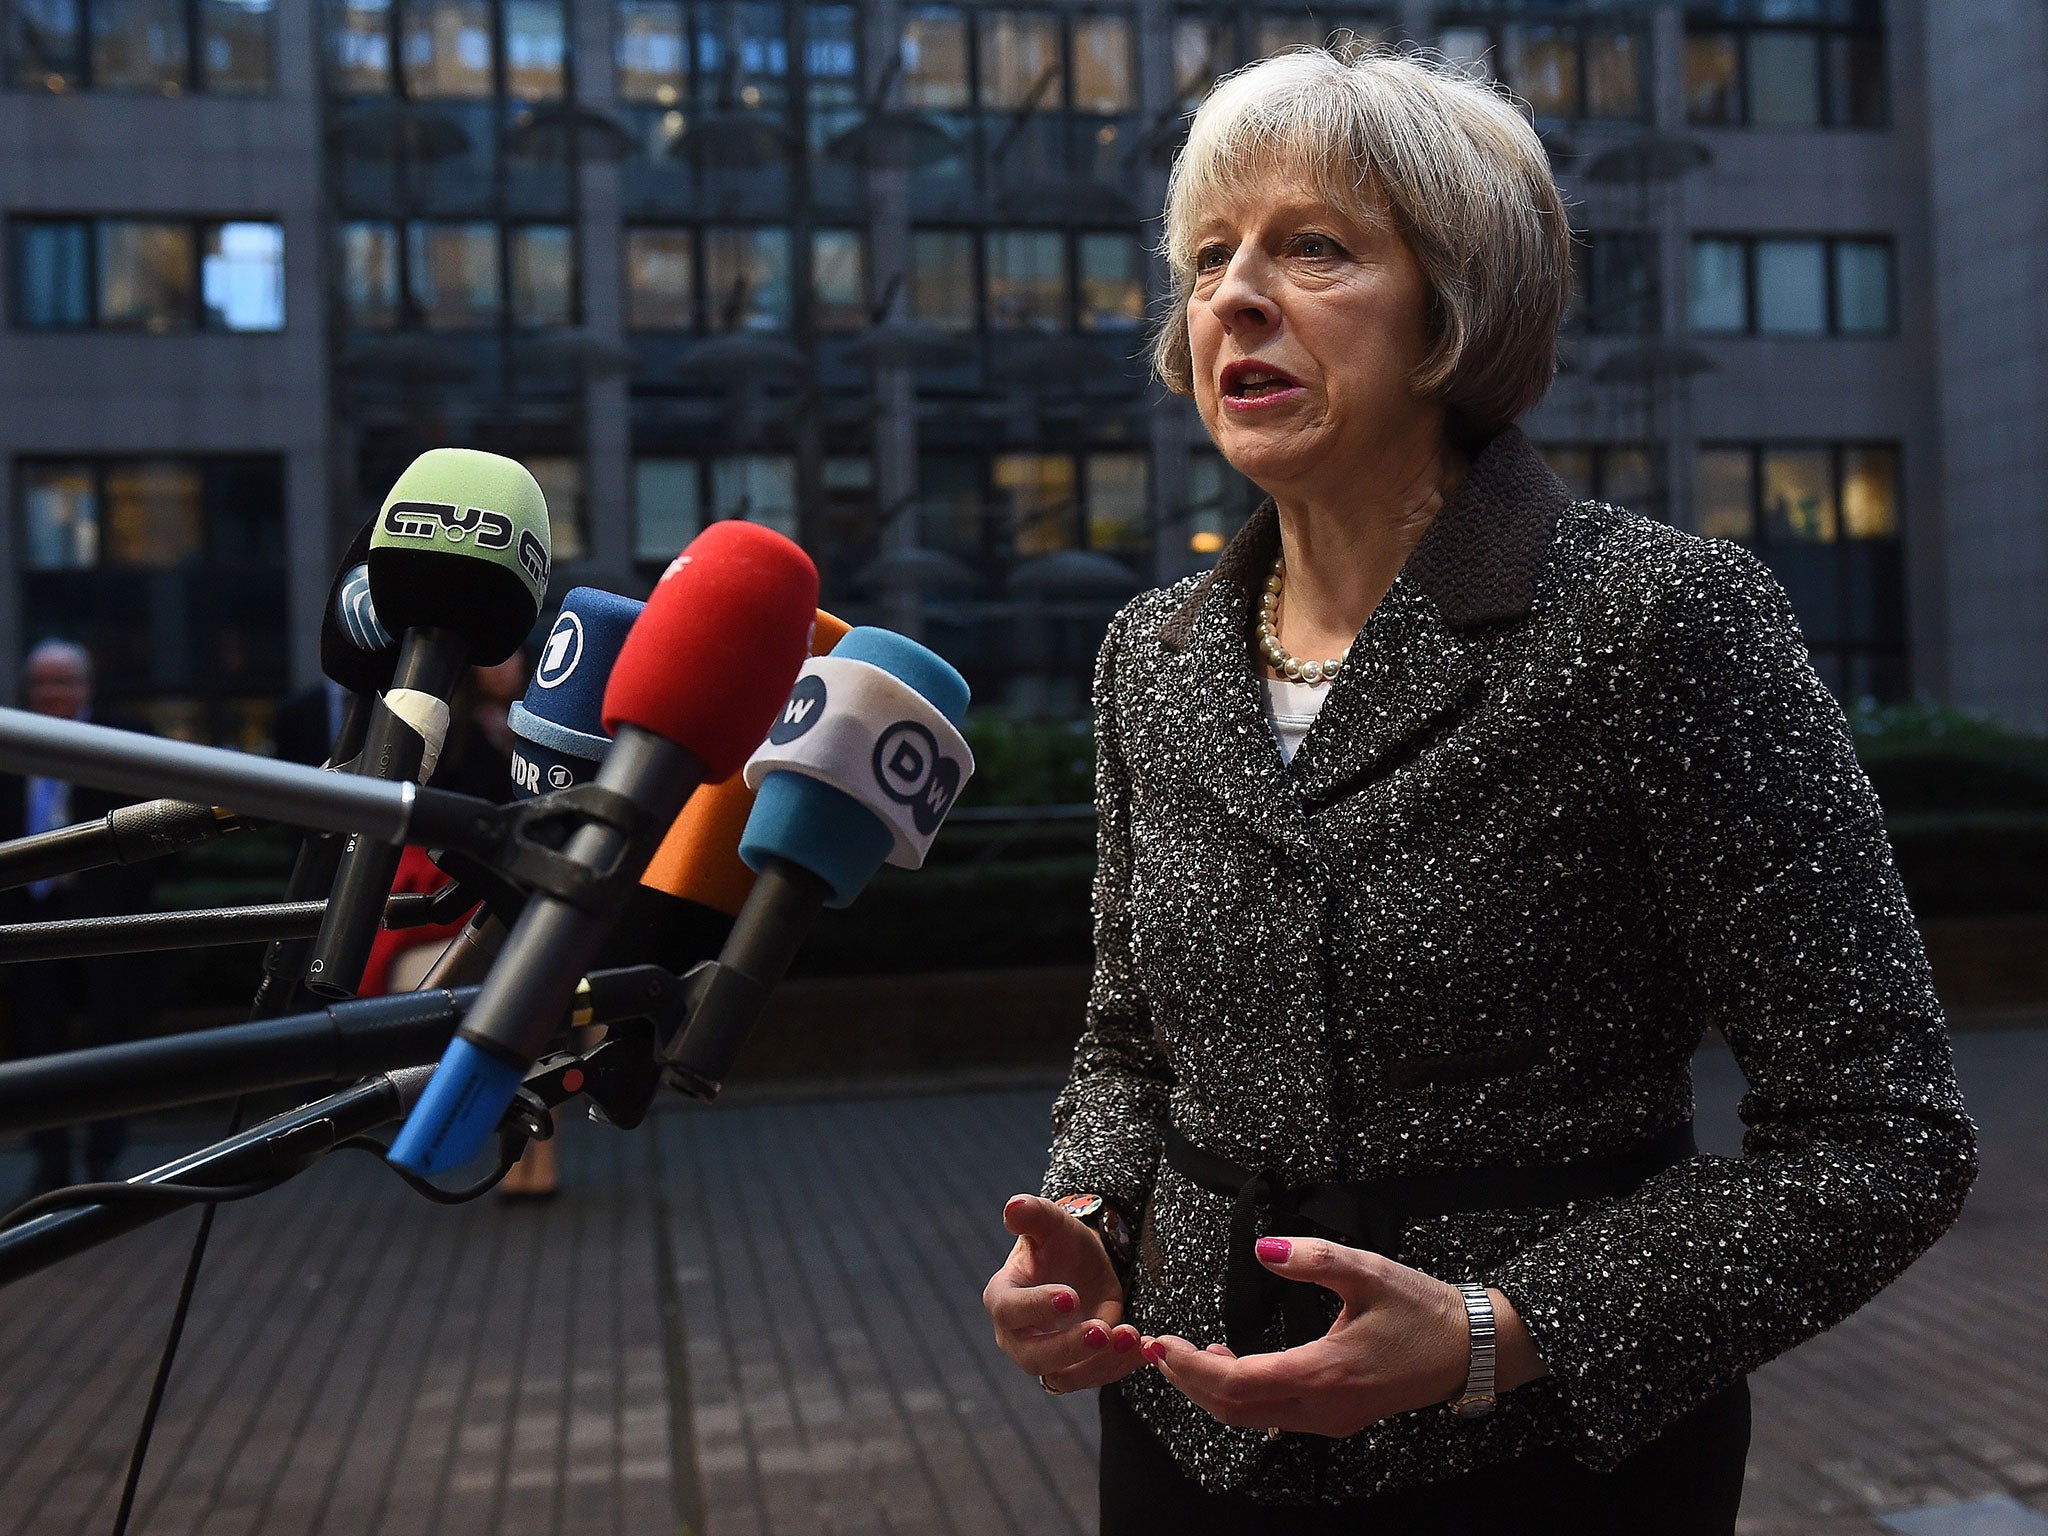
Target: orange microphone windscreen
(699, 860)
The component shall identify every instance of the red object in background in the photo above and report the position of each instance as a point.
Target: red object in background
(416, 874)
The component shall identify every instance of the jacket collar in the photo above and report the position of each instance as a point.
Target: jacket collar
(1473, 573)
(1477, 561)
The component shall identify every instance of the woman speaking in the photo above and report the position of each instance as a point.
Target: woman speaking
(1438, 823)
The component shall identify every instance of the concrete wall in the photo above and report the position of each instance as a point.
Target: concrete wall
(1987, 66)
(200, 157)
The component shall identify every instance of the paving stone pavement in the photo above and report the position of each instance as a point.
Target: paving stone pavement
(766, 1319)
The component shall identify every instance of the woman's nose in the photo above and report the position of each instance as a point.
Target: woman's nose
(1241, 300)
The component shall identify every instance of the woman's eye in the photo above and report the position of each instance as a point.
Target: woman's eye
(1315, 247)
(1210, 257)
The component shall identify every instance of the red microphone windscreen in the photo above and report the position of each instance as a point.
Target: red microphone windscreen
(712, 658)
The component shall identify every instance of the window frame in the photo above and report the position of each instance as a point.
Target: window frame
(1830, 243)
(1704, 21)
(408, 311)
(192, 15)
(1497, 27)
(196, 228)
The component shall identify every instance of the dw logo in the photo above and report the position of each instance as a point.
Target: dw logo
(806, 704)
(912, 772)
(426, 519)
(564, 649)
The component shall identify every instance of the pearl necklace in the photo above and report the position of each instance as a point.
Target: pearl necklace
(1276, 654)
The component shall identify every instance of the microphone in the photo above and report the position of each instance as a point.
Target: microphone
(559, 726)
(457, 564)
(682, 910)
(694, 690)
(860, 769)
(560, 722)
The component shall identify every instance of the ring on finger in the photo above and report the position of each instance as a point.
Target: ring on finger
(1048, 1386)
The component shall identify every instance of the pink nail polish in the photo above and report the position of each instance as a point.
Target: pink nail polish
(1094, 1336)
(1063, 1301)
(1275, 1248)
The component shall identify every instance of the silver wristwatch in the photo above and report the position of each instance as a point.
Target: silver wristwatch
(1476, 1398)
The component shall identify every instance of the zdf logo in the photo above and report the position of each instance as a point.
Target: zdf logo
(912, 771)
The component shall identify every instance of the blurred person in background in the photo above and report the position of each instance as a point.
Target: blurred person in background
(61, 1005)
(1437, 824)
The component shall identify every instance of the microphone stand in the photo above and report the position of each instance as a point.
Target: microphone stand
(620, 1075)
(334, 1044)
(142, 933)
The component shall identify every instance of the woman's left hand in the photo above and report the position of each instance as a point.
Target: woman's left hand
(1401, 1342)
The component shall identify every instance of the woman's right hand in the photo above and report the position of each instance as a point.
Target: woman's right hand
(1056, 1302)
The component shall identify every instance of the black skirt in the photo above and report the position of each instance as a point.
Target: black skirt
(1687, 1482)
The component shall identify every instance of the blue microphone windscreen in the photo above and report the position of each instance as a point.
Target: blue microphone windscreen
(824, 829)
(463, 1102)
(559, 723)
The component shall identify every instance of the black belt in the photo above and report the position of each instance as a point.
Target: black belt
(1372, 1213)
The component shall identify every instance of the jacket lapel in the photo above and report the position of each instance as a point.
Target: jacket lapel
(1416, 664)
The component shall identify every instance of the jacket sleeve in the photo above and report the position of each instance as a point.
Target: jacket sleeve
(1776, 881)
(1106, 1120)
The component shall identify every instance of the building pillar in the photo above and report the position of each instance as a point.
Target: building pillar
(607, 408)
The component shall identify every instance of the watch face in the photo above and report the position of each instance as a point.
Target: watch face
(1472, 1407)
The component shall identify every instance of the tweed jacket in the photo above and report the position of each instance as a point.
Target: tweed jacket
(1576, 795)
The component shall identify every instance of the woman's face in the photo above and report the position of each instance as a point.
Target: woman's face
(1305, 328)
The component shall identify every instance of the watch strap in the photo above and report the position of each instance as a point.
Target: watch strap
(1477, 1397)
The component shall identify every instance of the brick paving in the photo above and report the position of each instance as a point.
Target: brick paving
(765, 1319)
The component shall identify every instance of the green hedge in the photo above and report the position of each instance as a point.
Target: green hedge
(1966, 800)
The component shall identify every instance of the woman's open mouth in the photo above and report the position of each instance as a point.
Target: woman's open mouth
(1250, 386)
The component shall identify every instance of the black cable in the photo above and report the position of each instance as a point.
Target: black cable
(171, 1338)
(132, 1194)
(511, 1144)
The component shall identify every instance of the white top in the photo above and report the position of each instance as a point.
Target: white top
(1292, 708)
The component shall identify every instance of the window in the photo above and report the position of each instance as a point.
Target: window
(831, 61)
(838, 280)
(1027, 280)
(139, 45)
(61, 516)
(1218, 499)
(536, 49)
(1112, 269)
(935, 59)
(359, 46)
(171, 570)
(1019, 55)
(1204, 46)
(1036, 491)
(445, 48)
(746, 279)
(668, 507)
(1792, 286)
(942, 278)
(155, 275)
(1118, 494)
(1561, 69)
(653, 63)
(661, 280)
(1104, 77)
(235, 46)
(369, 276)
(1617, 284)
(241, 277)
(1825, 518)
(758, 487)
(543, 267)
(560, 479)
(1625, 474)
(1770, 69)
(452, 274)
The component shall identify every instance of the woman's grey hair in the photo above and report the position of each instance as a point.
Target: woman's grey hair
(1458, 168)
